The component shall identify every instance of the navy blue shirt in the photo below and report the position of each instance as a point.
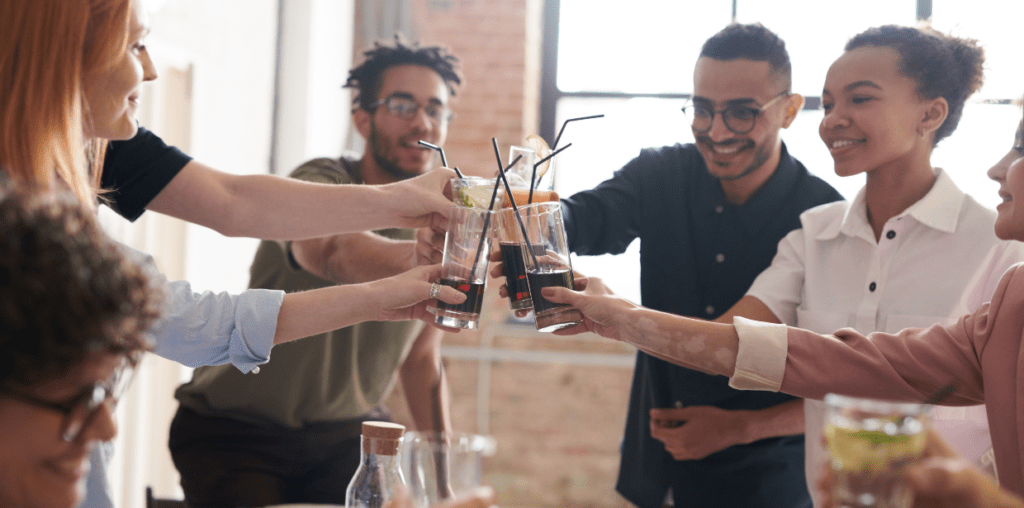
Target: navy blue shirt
(698, 256)
(136, 170)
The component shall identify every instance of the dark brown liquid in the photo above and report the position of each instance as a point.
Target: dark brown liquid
(515, 271)
(544, 279)
(474, 296)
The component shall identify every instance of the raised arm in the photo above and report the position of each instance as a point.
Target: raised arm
(355, 258)
(277, 208)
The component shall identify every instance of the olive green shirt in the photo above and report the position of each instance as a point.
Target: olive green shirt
(338, 375)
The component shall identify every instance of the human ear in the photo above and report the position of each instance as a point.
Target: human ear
(935, 112)
(794, 103)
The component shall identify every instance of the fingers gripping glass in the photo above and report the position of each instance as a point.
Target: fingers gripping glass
(406, 109)
(739, 119)
(79, 410)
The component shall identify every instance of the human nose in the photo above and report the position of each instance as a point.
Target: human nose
(833, 118)
(102, 425)
(148, 67)
(719, 130)
(998, 171)
(421, 120)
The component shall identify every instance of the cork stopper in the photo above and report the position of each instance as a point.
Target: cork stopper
(382, 438)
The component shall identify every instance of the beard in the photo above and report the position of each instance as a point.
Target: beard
(382, 151)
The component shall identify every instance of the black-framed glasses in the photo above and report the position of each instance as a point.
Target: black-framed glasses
(406, 109)
(738, 118)
(80, 409)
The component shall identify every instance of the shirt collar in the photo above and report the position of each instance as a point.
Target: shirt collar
(938, 209)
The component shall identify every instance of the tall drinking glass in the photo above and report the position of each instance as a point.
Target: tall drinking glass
(871, 443)
(464, 266)
(547, 264)
(440, 466)
(513, 266)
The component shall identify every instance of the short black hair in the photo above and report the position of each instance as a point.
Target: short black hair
(941, 65)
(366, 78)
(67, 291)
(752, 42)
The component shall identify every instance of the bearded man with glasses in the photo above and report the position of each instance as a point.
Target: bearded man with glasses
(74, 319)
(291, 434)
(709, 216)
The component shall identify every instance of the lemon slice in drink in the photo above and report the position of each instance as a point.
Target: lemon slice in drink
(870, 451)
(540, 146)
(476, 196)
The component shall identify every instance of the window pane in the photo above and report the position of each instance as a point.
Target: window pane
(996, 25)
(813, 46)
(650, 47)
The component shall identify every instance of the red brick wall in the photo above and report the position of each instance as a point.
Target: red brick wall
(500, 96)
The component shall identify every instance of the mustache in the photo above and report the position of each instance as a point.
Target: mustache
(707, 141)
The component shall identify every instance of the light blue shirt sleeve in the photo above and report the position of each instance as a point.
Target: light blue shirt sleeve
(209, 328)
(216, 328)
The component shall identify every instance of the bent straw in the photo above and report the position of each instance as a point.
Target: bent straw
(487, 219)
(444, 161)
(566, 123)
(533, 177)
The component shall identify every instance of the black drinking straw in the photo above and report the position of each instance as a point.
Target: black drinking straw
(566, 123)
(487, 219)
(533, 176)
(444, 161)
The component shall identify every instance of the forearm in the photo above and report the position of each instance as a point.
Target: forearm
(786, 419)
(355, 258)
(271, 207)
(425, 384)
(700, 345)
(323, 310)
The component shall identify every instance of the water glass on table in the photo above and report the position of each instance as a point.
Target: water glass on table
(464, 266)
(871, 443)
(547, 263)
(442, 466)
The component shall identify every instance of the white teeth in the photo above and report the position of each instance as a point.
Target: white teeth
(840, 143)
(726, 150)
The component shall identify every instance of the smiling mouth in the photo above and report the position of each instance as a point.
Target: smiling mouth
(839, 144)
(730, 148)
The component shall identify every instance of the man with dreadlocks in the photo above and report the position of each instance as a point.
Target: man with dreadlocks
(292, 433)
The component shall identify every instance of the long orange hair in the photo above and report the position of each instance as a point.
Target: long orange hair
(46, 47)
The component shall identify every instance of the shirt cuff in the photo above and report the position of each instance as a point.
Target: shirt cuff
(253, 337)
(761, 357)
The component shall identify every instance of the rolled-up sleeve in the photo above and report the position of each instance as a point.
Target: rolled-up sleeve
(216, 328)
(207, 328)
(761, 356)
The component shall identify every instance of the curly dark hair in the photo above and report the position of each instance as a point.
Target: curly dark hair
(751, 42)
(67, 290)
(941, 65)
(367, 77)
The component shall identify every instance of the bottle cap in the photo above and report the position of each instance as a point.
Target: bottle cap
(383, 430)
(382, 438)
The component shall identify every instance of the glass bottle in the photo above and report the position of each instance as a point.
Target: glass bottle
(379, 476)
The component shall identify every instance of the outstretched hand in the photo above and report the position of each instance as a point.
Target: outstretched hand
(602, 310)
(406, 296)
(423, 201)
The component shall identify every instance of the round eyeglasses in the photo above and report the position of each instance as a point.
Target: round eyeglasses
(80, 409)
(738, 118)
(406, 109)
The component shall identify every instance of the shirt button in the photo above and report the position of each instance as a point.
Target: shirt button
(891, 234)
(719, 209)
(255, 370)
(720, 258)
(709, 309)
(872, 287)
